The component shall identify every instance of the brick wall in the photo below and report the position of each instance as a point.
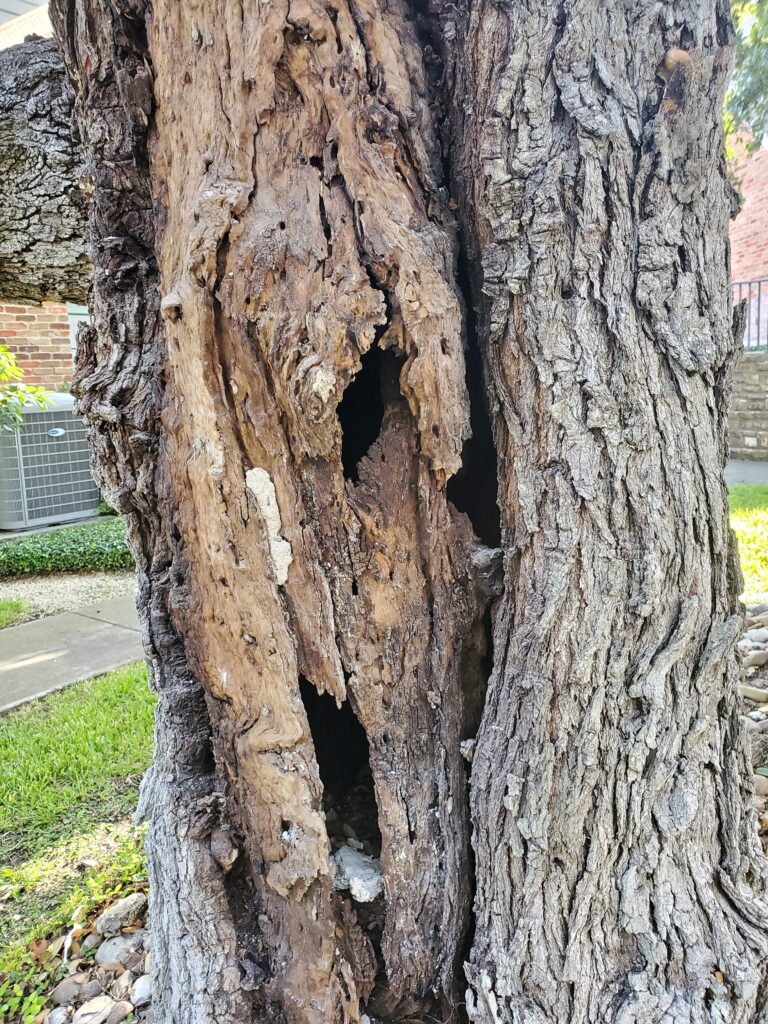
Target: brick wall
(748, 420)
(39, 338)
(749, 231)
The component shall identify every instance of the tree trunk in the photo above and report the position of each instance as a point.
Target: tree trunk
(43, 212)
(330, 240)
(608, 785)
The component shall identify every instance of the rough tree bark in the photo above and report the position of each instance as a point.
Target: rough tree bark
(608, 783)
(43, 213)
(327, 239)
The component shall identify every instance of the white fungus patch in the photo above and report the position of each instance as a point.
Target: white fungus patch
(259, 483)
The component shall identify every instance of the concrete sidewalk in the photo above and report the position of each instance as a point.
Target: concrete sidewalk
(746, 471)
(48, 654)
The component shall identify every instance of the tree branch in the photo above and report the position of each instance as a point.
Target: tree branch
(42, 209)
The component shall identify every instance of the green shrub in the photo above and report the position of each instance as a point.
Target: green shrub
(90, 548)
(13, 394)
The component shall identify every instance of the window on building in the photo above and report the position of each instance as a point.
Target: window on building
(76, 315)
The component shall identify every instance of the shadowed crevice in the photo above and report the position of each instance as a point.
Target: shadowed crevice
(361, 410)
(343, 760)
(474, 489)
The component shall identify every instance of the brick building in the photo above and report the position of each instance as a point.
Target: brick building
(748, 420)
(41, 338)
(749, 231)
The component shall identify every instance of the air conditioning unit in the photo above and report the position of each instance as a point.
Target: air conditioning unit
(44, 470)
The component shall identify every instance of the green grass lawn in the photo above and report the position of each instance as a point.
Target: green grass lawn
(12, 611)
(66, 755)
(70, 767)
(749, 519)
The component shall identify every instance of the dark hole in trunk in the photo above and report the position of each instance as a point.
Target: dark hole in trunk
(342, 752)
(474, 489)
(361, 410)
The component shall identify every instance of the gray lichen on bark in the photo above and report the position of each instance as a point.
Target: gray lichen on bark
(42, 209)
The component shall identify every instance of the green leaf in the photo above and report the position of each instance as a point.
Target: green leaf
(746, 103)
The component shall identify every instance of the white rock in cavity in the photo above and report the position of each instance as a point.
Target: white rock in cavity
(359, 873)
(467, 748)
(259, 483)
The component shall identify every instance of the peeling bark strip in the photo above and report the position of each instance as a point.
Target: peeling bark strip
(619, 876)
(42, 212)
(275, 388)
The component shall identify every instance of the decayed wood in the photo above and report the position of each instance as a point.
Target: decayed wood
(292, 165)
(42, 210)
(309, 231)
(619, 876)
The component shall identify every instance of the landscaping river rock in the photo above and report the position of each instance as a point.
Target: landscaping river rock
(107, 974)
(121, 914)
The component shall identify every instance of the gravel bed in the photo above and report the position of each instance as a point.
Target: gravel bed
(47, 595)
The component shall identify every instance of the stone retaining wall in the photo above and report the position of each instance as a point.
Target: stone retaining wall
(748, 421)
